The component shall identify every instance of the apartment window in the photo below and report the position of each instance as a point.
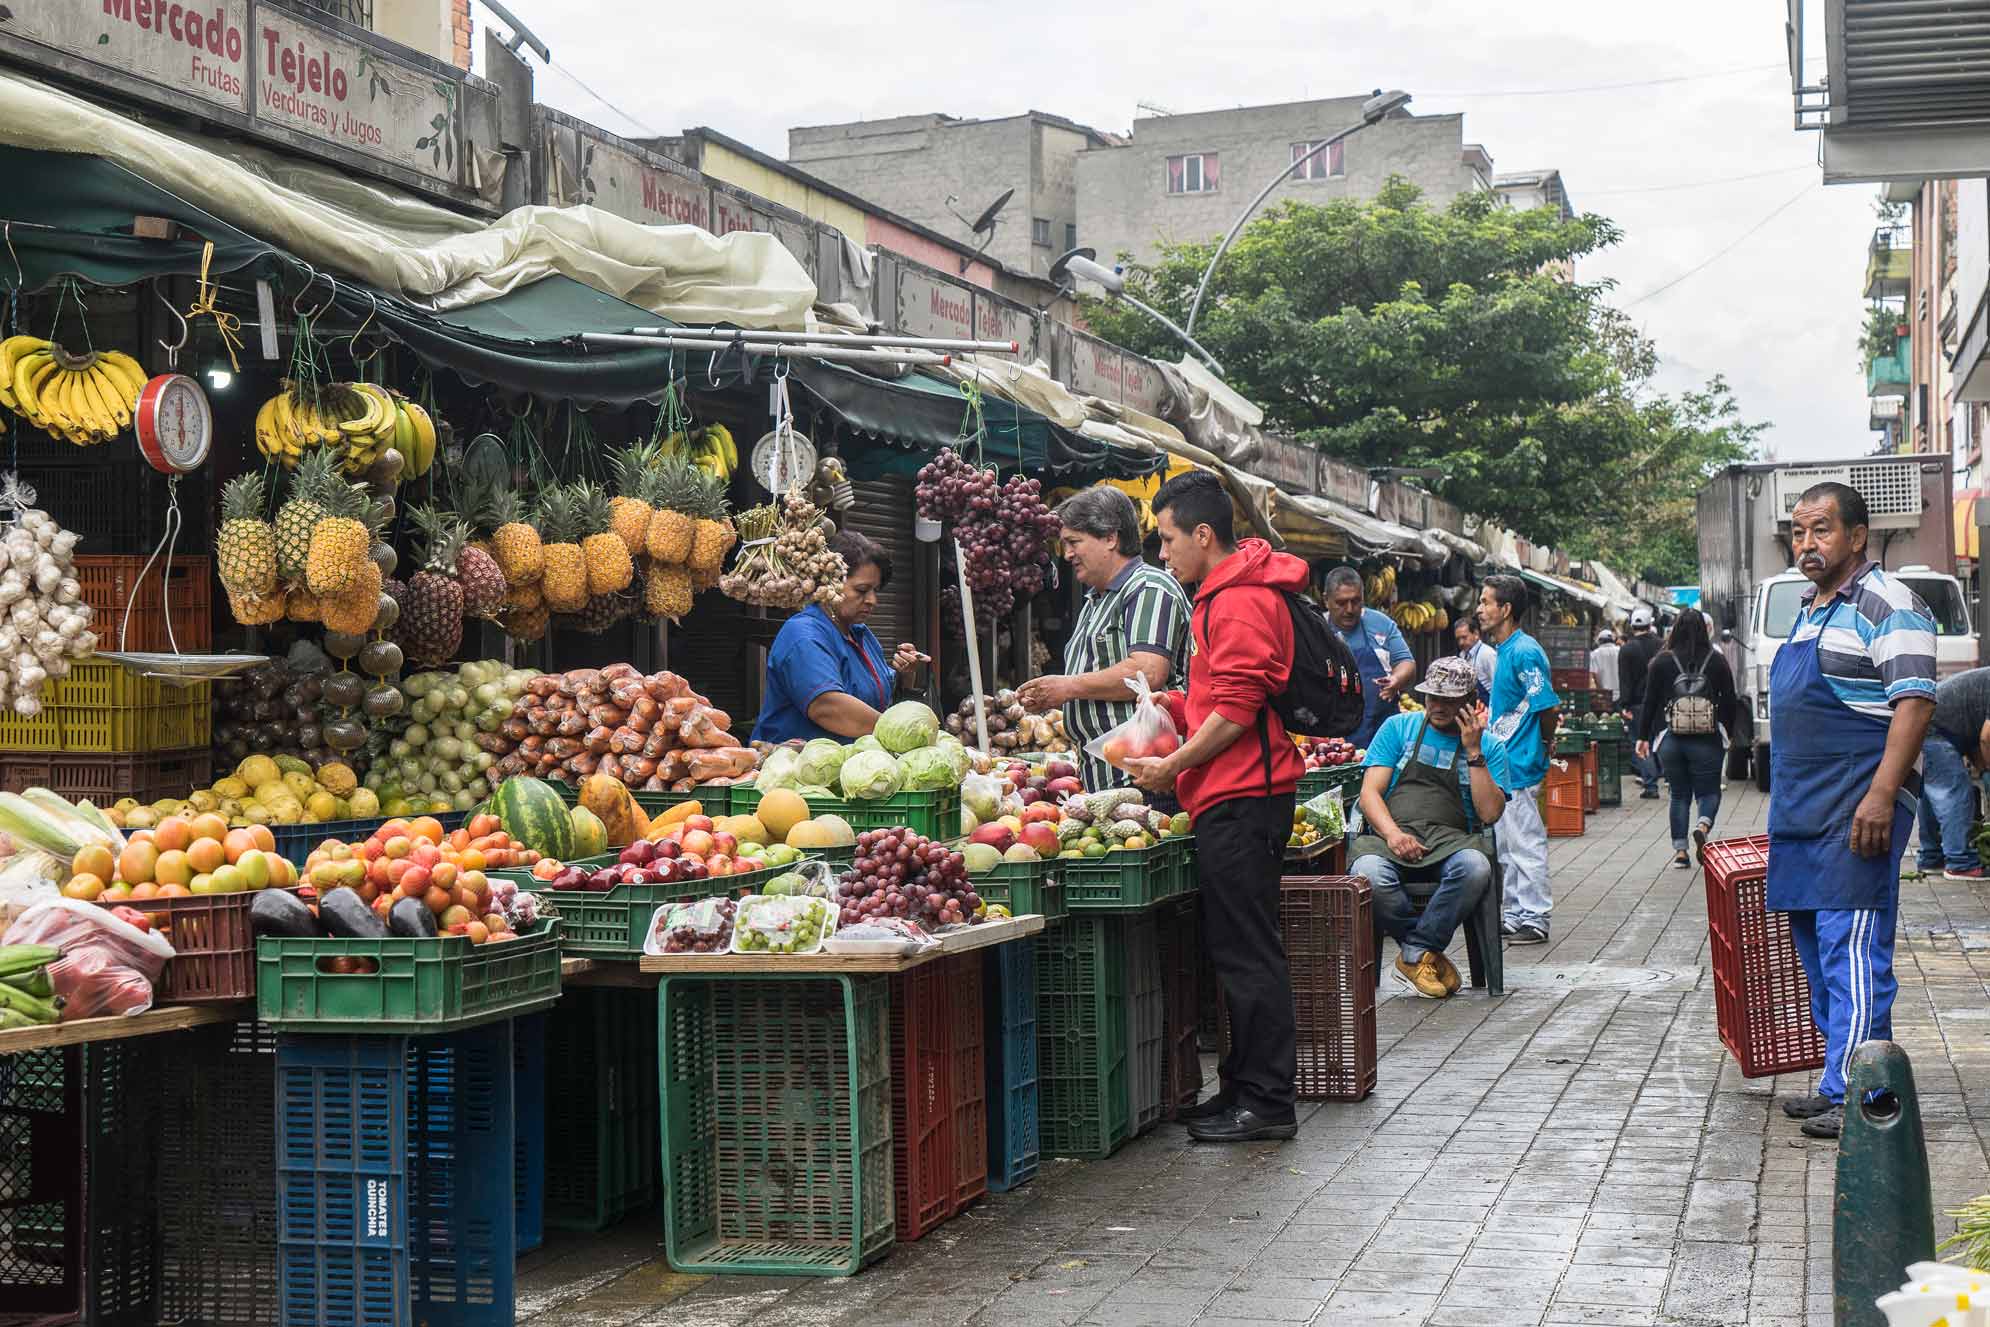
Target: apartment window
(1194, 173)
(1040, 231)
(1070, 235)
(1326, 166)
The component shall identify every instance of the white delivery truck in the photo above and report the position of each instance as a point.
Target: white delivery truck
(1749, 583)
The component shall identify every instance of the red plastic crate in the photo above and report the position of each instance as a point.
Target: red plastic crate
(214, 951)
(1592, 787)
(1329, 934)
(939, 1101)
(1181, 971)
(1577, 679)
(1761, 996)
(110, 583)
(1561, 798)
(147, 776)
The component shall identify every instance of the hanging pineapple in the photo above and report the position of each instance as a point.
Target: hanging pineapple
(674, 494)
(609, 566)
(514, 542)
(630, 511)
(711, 533)
(302, 605)
(352, 611)
(300, 514)
(431, 623)
(485, 586)
(564, 582)
(340, 541)
(257, 610)
(602, 611)
(667, 591)
(245, 547)
(529, 624)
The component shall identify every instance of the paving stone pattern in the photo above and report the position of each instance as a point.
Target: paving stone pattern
(1582, 1151)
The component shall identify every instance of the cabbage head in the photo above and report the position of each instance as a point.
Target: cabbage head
(956, 755)
(926, 768)
(778, 770)
(907, 726)
(820, 761)
(869, 776)
(868, 742)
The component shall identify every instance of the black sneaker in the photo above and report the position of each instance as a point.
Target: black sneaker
(1700, 832)
(1826, 1125)
(1804, 1108)
(1241, 1125)
(1206, 1110)
(1528, 933)
(1648, 795)
(1507, 928)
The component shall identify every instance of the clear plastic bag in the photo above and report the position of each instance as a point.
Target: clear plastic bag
(1326, 814)
(108, 966)
(882, 935)
(1149, 732)
(782, 924)
(701, 927)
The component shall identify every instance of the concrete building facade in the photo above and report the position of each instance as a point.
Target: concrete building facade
(1184, 178)
(913, 165)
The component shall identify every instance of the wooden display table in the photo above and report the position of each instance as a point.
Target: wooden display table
(171, 1018)
(839, 965)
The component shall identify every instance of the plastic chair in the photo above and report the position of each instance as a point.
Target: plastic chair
(1484, 950)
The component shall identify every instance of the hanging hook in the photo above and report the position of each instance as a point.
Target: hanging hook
(712, 370)
(297, 300)
(318, 312)
(352, 345)
(173, 350)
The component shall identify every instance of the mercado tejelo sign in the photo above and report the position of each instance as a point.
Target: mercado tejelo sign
(929, 307)
(1099, 368)
(278, 69)
(602, 171)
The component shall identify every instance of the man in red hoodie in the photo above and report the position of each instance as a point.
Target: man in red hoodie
(1236, 775)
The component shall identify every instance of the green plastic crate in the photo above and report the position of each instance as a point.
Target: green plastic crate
(715, 800)
(934, 813)
(601, 1066)
(1122, 881)
(1082, 1087)
(422, 986)
(776, 1123)
(1571, 742)
(1025, 887)
(615, 924)
(1347, 778)
(1610, 765)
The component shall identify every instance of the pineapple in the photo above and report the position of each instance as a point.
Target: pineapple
(300, 515)
(431, 625)
(528, 595)
(354, 609)
(564, 582)
(529, 624)
(342, 540)
(519, 551)
(303, 606)
(609, 566)
(245, 549)
(630, 512)
(667, 591)
(711, 532)
(602, 611)
(675, 492)
(256, 610)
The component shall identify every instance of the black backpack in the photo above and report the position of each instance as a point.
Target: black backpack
(1322, 697)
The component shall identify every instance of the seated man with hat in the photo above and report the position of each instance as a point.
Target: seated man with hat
(1430, 796)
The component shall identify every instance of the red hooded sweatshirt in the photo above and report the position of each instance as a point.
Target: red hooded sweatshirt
(1243, 654)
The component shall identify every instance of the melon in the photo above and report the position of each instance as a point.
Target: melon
(780, 811)
(590, 836)
(747, 829)
(533, 812)
(822, 832)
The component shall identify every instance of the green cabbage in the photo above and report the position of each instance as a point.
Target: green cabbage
(869, 776)
(820, 761)
(926, 768)
(907, 726)
(956, 755)
(868, 742)
(778, 770)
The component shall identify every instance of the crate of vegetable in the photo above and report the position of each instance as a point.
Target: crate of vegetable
(905, 773)
(651, 733)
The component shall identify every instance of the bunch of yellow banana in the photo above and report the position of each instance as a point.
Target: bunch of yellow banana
(710, 448)
(359, 419)
(86, 398)
(1420, 616)
(1379, 588)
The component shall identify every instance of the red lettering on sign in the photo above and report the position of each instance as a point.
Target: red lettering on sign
(953, 310)
(302, 69)
(211, 34)
(660, 199)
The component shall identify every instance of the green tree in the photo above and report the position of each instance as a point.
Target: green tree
(1390, 332)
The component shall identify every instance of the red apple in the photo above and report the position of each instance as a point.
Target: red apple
(698, 842)
(665, 848)
(1162, 744)
(724, 842)
(698, 822)
(719, 864)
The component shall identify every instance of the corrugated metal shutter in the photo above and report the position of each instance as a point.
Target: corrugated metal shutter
(884, 512)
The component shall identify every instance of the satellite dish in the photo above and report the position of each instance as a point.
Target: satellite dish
(983, 225)
(1062, 267)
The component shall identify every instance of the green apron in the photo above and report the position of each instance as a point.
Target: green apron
(1429, 803)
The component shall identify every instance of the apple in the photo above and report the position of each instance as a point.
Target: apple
(1116, 750)
(724, 842)
(1064, 785)
(742, 865)
(640, 853)
(1059, 769)
(697, 822)
(667, 848)
(602, 881)
(694, 869)
(697, 842)
(1162, 744)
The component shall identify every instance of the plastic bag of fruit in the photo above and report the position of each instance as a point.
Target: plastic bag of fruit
(1326, 813)
(1149, 732)
(782, 924)
(108, 965)
(881, 935)
(701, 927)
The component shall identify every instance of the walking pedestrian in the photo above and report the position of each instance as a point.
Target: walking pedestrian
(1603, 665)
(1474, 651)
(1387, 666)
(1633, 662)
(1236, 775)
(1523, 718)
(1684, 722)
(1962, 723)
(1850, 698)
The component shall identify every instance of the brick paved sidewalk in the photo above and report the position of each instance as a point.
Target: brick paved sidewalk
(1581, 1151)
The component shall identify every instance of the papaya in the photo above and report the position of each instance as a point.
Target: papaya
(676, 815)
(611, 802)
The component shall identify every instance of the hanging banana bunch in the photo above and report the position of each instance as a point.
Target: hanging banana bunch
(84, 398)
(358, 420)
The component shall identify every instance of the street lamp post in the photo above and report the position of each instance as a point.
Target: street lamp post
(1372, 110)
(1081, 262)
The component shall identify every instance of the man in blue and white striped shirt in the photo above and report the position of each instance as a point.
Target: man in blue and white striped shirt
(1850, 696)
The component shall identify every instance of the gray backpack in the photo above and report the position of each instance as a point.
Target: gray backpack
(1691, 710)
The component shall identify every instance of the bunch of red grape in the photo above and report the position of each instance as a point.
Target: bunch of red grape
(1002, 528)
(898, 873)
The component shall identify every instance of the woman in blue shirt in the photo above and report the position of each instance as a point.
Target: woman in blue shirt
(827, 675)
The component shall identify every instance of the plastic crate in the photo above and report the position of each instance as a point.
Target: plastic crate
(1761, 994)
(297, 842)
(1025, 887)
(601, 1149)
(1566, 647)
(120, 1249)
(934, 813)
(1565, 680)
(1328, 926)
(423, 986)
(1082, 1090)
(1326, 857)
(1347, 778)
(1592, 790)
(1609, 769)
(528, 1148)
(1178, 930)
(104, 779)
(1146, 1024)
(776, 1123)
(615, 922)
(1122, 881)
(1009, 1023)
(41, 1184)
(71, 485)
(214, 951)
(939, 1121)
(462, 1241)
(103, 707)
(1561, 798)
(109, 584)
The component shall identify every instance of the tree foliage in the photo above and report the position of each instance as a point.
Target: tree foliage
(1391, 332)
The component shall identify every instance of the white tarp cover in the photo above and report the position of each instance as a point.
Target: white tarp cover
(425, 254)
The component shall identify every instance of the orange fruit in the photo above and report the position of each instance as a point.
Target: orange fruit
(95, 860)
(207, 854)
(137, 861)
(238, 842)
(146, 890)
(173, 832)
(426, 827)
(86, 887)
(478, 932)
(470, 859)
(438, 899)
(173, 868)
(208, 825)
(264, 838)
(116, 890)
(173, 891)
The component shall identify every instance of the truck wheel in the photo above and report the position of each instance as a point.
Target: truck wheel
(1761, 758)
(1737, 763)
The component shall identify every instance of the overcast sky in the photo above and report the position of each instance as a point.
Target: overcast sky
(1779, 313)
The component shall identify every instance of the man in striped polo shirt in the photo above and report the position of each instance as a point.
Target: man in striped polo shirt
(1134, 619)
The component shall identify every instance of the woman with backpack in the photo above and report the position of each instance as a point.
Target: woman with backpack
(1688, 709)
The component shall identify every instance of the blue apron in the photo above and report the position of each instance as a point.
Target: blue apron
(1374, 672)
(1822, 759)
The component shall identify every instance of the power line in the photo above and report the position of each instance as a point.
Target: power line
(1612, 87)
(1726, 249)
(569, 74)
(1698, 184)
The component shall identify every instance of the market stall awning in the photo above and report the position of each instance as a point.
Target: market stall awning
(1586, 594)
(1372, 533)
(1966, 538)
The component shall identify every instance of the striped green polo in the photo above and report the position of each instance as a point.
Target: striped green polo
(1144, 609)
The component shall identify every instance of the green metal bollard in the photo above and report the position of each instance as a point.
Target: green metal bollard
(1884, 1212)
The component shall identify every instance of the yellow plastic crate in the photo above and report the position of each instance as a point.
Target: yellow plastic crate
(103, 707)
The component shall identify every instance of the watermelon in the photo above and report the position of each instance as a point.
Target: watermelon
(535, 814)
(590, 835)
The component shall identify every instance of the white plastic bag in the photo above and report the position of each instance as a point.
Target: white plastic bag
(107, 966)
(882, 935)
(1149, 732)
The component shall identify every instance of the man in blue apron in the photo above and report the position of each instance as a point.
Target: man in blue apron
(1850, 697)
(1387, 666)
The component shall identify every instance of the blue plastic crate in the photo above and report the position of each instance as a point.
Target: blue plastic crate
(461, 1219)
(528, 1106)
(1009, 1006)
(296, 841)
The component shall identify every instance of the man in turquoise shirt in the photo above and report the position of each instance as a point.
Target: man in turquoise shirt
(1523, 718)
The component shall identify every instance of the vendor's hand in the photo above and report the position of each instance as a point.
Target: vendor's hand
(907, 658)
(1155, 774)
(1387, 689)
(1406, 846)
(1872, 824)
(1644, 750)
(1044, 693)
(1472, 720)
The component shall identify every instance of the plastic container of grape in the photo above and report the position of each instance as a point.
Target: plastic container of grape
(719, 925)
(744, 922)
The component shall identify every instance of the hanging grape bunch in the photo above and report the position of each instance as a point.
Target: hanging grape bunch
(1003, 529)
(784, 559)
